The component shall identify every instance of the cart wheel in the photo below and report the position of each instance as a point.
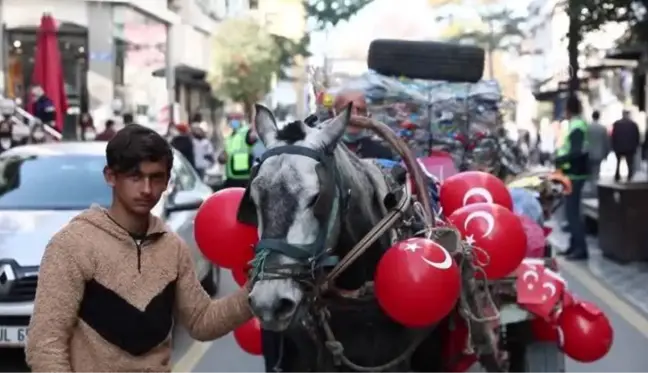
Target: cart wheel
(544, 357)
(427, 60)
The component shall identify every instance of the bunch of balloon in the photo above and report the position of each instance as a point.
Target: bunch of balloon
(417, 282)
(228, 243)
(222, 239)
(480, 206)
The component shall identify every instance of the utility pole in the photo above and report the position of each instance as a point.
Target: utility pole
(574, 39)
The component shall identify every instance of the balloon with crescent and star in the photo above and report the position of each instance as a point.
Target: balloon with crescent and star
(496, 235)
(471, 187)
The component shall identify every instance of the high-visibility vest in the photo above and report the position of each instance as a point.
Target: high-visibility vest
(238, 155)
(576, 124)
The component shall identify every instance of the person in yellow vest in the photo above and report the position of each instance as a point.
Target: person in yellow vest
(572, 159)
(237, 157)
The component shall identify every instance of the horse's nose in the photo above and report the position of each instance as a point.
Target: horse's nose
(277, 309)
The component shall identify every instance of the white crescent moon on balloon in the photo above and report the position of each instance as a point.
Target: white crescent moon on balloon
(530, 273)
(445, 264)
(488, 217)
(551, 287)
(485, 194)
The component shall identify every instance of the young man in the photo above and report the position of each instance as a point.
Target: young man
(113, 281)
(625, 143)
(599, 148)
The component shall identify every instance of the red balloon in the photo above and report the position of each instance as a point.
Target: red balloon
(586, 332)
(240, 275)
(248, 337)
(470, 187)
(543, 330)
(498, 235)
(220, 236)
(417, 282)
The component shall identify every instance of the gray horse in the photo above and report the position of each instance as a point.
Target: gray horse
(314, 200)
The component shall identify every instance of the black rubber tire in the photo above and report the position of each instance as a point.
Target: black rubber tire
(426, 60)
(544, 357)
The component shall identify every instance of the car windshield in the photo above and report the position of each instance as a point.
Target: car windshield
(52, 182)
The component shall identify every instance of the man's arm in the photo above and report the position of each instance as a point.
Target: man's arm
(204, 318)
(58, 295)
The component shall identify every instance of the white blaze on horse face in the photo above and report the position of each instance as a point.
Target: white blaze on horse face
(481, 192)
(489, 218)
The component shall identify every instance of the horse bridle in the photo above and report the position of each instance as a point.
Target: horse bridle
(328, 208)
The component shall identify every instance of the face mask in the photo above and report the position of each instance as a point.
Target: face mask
(5, 143)
(351, 138)
(38, 135)
(235, 124)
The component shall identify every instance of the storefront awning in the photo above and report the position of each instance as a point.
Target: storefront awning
(629, 53)
(186, 75)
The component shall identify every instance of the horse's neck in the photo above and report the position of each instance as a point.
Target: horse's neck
(362, 213)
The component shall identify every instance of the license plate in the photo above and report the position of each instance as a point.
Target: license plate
(13, 336)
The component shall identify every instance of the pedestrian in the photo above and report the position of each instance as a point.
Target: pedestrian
(547, 141)
(357, 139)
(203, 148)
(572, 158)
(86, 124)
(183, 142)
(114, 282)
(238, 155)
(599, 147)
(625, 143)
(37, 134)
(109, 131)
(43, 107)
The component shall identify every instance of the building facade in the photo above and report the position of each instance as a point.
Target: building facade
(119, 55)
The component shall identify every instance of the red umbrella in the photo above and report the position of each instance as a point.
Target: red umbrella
(48, 72)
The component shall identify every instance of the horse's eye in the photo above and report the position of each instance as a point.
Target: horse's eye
(313, 200)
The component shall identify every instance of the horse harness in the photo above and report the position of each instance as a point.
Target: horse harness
(328, 209)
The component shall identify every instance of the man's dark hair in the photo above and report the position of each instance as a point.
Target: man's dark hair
(573, 105)
(196, 117)
(110, 123)
(596, 115)
(135, 144)
(128, 118)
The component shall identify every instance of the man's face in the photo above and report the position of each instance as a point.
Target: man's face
(139, 190)
(359, 108)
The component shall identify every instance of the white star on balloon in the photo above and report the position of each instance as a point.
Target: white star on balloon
(470, 239)
(411, 247)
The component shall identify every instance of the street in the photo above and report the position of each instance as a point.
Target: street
(627, 354)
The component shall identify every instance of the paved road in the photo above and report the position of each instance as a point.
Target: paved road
(627, 355)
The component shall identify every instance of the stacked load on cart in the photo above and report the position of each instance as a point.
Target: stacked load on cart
(423, 111)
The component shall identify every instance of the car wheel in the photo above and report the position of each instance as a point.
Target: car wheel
(427, 60)
(211, 282)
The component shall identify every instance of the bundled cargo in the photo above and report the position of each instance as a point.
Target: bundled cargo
(424, 112)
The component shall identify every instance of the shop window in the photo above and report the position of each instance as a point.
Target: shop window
(21, 57)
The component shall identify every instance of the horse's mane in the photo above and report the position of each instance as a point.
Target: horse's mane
(291, 132)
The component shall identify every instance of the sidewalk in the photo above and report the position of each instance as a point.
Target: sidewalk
(629, 281)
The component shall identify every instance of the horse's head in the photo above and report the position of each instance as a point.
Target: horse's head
(295, 198)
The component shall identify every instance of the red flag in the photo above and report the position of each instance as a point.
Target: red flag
(48, 72)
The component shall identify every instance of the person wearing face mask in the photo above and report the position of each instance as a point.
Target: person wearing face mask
(43, 108)
(88, 131)
(357, 139)
(7, 109)
(203, 148)
(37, 134)
(238, 154)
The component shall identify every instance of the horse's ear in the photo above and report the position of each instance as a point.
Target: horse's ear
(331, 131)
(266, 125)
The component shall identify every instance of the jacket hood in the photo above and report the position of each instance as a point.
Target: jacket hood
(98, 217)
